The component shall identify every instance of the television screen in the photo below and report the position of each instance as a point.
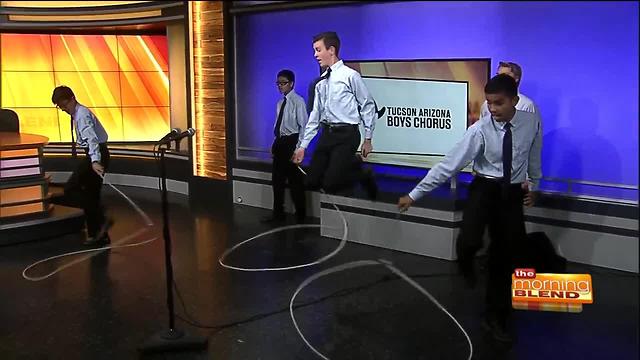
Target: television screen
(123, 79)
(423, 106)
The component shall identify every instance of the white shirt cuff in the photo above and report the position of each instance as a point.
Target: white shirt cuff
(415, 194)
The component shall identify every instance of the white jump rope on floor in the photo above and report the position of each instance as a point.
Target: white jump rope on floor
(149, 224)
(332, 270)
(343, 241)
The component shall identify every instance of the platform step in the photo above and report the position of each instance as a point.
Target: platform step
(61, 220)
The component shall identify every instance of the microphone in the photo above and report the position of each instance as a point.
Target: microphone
(184, 134)
(171, 134)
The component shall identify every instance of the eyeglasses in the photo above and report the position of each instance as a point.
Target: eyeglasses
(282, 83)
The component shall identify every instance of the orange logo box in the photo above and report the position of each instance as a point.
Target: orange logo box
(552, 292)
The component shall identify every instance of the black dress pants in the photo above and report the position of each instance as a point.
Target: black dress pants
(491, 204)
(284, 170)
(334, 166)
(83, 190)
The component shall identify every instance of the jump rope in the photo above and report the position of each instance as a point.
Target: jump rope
(121, 243)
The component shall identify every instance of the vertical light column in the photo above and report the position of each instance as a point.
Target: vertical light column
(207, 89)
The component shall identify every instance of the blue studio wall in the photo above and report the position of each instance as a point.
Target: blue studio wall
(579, 60)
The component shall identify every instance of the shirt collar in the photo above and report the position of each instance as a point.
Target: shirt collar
(334, 67)
(288, 96)
(337, 65)
(514, 121)
(75, 111)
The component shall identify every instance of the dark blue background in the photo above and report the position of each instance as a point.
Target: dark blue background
(579, 60)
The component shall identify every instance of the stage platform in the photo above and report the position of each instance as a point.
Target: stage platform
(108, 305)
(587, 231)
(61, 220)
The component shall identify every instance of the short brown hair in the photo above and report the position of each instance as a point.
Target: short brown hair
(515, 69)
(330, 38)
(61, 93)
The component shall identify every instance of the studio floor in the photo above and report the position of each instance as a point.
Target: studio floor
(107, 306)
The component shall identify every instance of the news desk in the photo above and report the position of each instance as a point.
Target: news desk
(24, 191)
(26, 209)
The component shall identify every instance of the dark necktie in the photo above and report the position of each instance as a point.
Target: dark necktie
(507, 156)
(276, 131)
(326, 76)
(73, 141)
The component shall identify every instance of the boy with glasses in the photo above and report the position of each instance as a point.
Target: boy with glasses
(291, 118)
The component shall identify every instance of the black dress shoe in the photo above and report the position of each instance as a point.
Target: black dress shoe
(98, 241)
(273, 218)
(496, 330)
(102, 237)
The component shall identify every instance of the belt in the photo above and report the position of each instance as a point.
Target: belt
(497, 180)
(337, 125)
(286, 136)
(490, 178)
(104, 144)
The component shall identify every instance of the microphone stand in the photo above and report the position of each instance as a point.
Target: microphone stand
(171, 339)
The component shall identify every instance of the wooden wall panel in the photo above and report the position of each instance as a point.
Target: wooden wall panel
(209, 94)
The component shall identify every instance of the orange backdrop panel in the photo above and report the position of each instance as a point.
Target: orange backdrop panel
(123, 79)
